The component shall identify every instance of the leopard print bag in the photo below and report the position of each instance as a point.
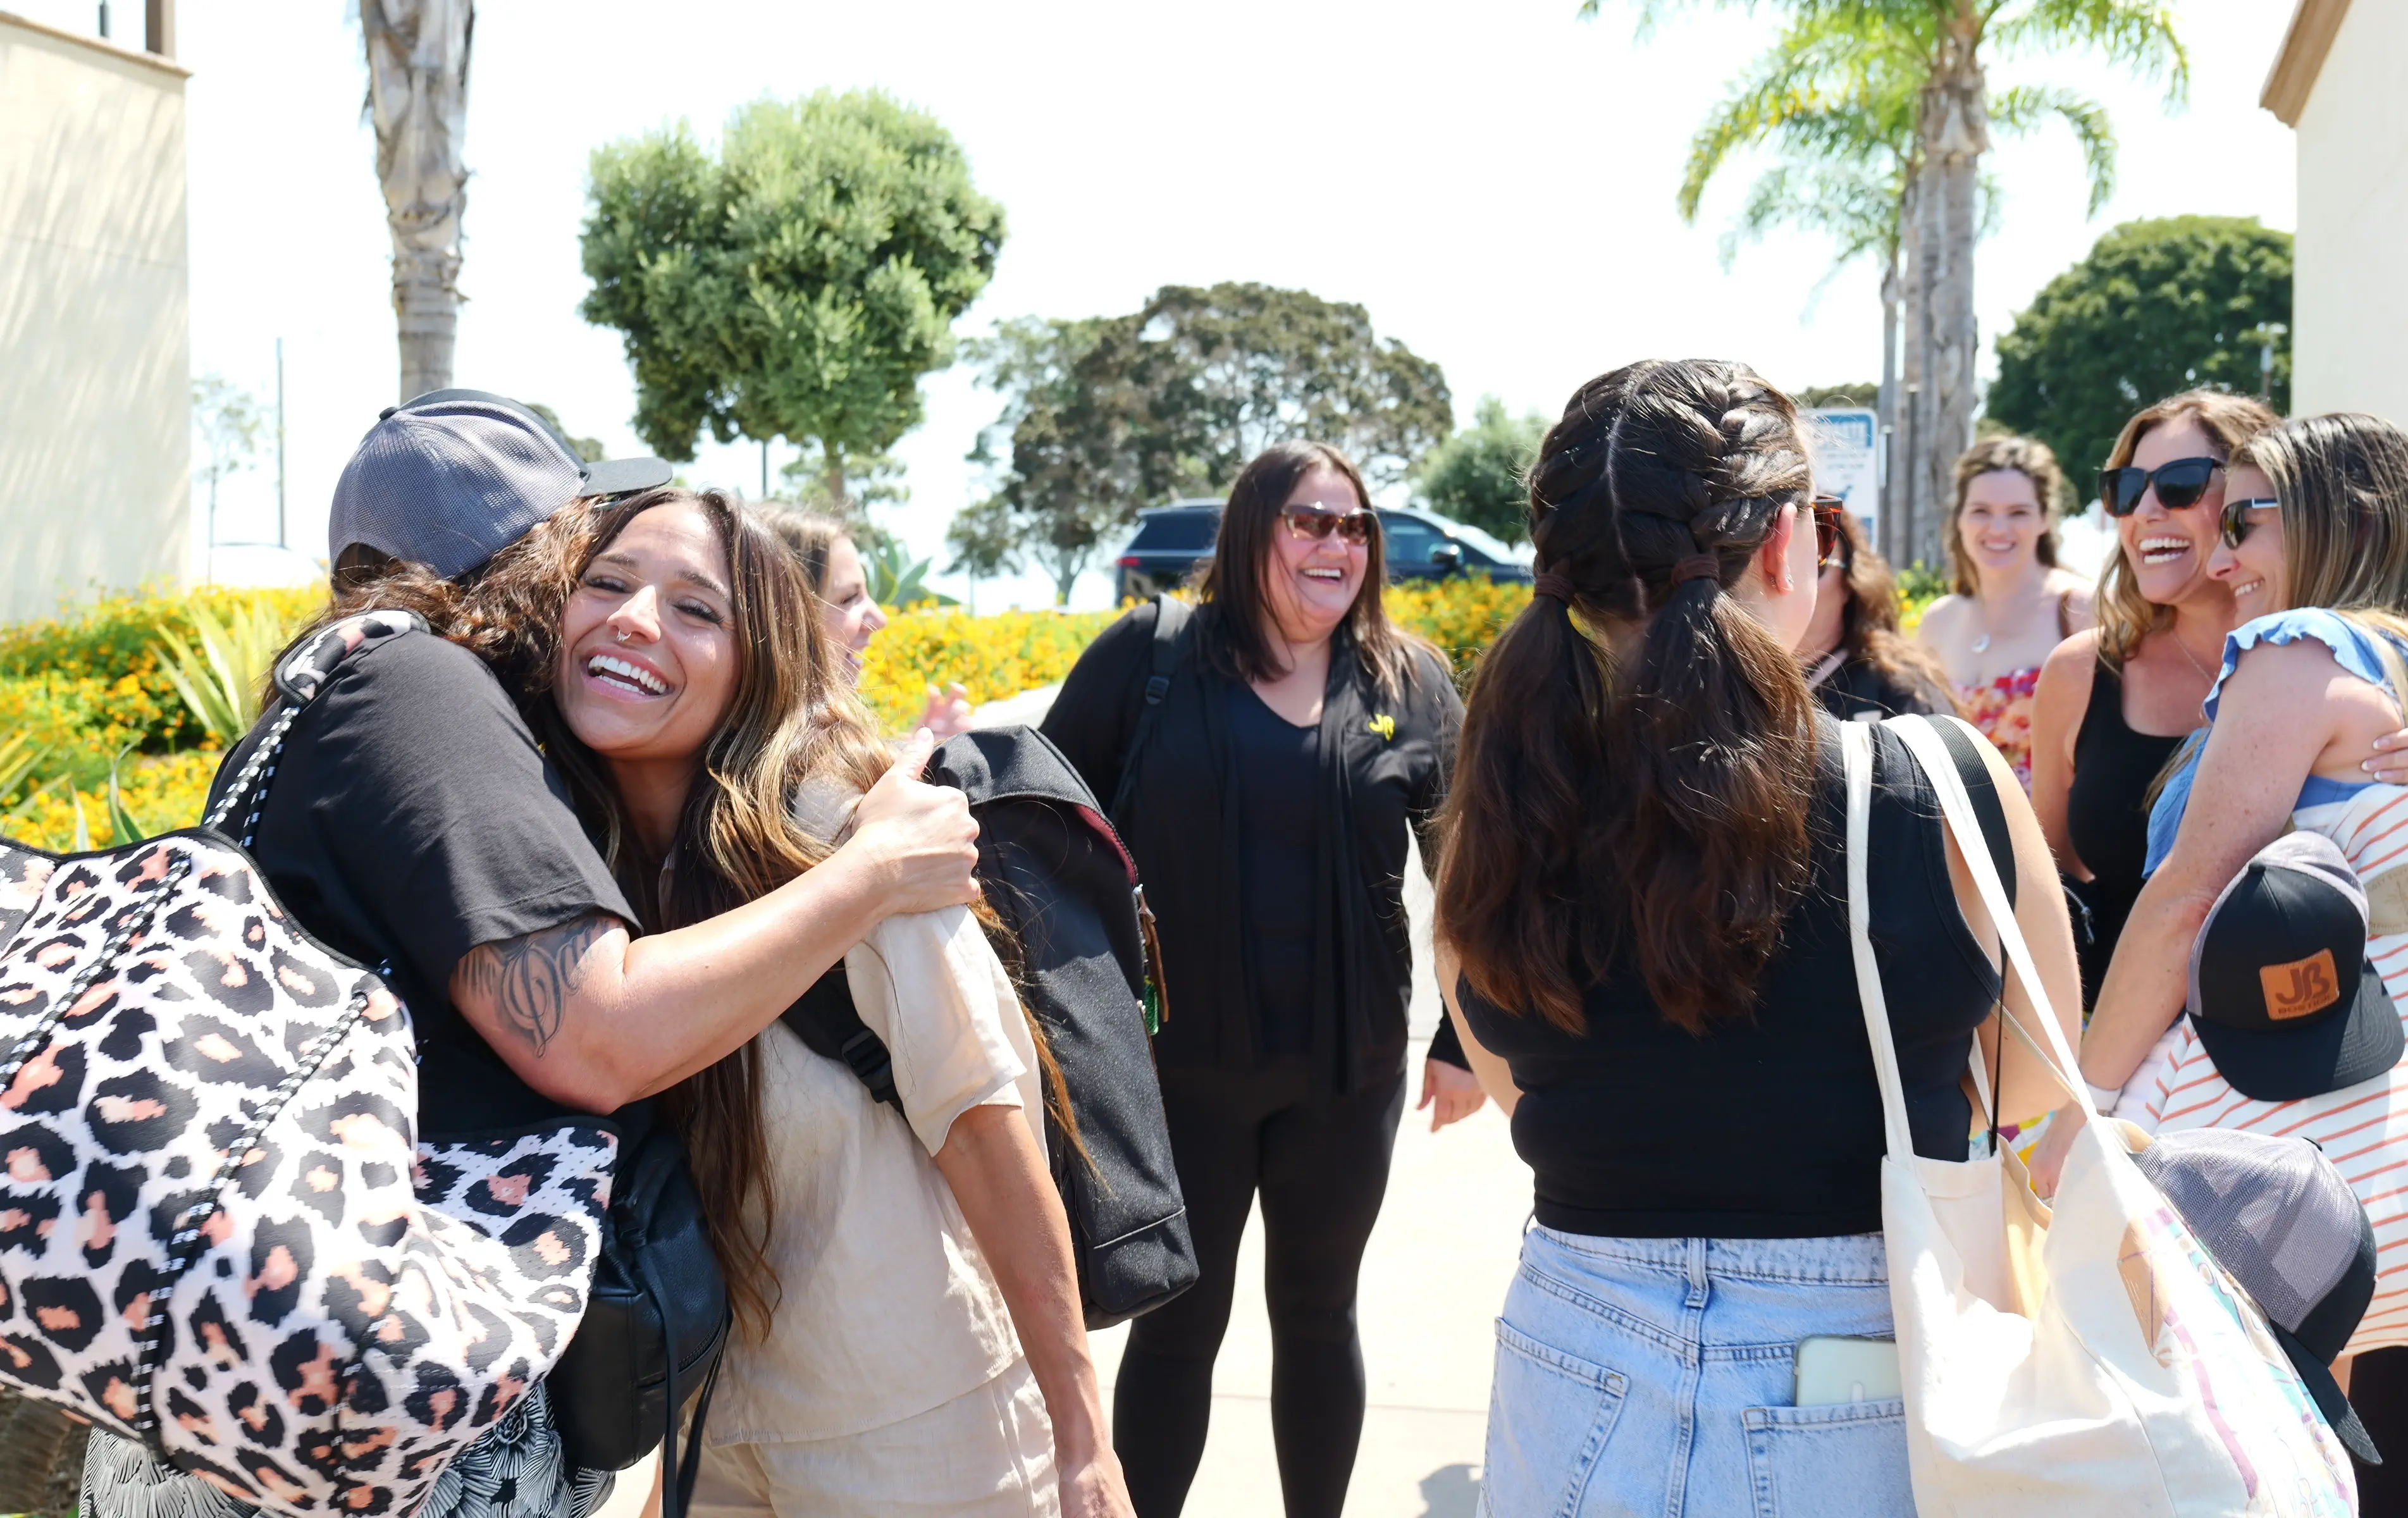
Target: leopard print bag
(219, 1236)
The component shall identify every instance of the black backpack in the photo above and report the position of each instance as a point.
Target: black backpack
(1058, 876)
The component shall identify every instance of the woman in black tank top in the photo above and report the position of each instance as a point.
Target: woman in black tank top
(1645, 883)
(2115, 702)
(2107, 817)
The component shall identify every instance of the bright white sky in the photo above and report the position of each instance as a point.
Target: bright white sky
(1494, 181)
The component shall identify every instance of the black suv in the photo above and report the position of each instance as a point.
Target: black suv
(1173, 541)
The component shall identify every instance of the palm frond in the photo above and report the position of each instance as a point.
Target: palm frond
(2021, 110)
(21, 761)
(2138, 34)
(121, 821)
(1824, 89)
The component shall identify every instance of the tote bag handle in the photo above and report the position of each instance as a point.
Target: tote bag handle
(1857, 752)
(1924, 743)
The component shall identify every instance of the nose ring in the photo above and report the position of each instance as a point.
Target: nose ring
(622, 634)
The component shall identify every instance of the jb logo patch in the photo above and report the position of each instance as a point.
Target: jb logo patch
(2301, 987)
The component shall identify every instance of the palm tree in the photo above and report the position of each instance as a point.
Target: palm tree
(418, 98)
(1883, 113)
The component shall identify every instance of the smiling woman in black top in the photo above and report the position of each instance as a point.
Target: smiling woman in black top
(1297, 738)
(1644, 882)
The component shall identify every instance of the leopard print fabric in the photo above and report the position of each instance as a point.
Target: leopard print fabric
(219, 1237)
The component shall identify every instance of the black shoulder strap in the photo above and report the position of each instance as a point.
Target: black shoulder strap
(1982, 790)
(1172, 618)
(828, 1024)
(299, 676)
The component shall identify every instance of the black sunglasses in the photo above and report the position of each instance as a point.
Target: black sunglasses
(2180, 484)
(2236, 517)
(1827, 535)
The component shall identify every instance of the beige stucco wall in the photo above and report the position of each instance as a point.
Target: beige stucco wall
(2350, 297)
(95, 383)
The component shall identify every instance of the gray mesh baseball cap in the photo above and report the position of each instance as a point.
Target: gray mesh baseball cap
(2285, 1226)
(450, 479)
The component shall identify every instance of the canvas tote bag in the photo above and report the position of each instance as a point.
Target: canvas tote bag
(2080, 1359)
(218, 1238)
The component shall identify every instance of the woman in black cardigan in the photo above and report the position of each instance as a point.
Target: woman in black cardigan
(1294, 736)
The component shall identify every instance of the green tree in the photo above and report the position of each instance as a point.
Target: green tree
(1104, 416)
(1834, 93)
(797, 286)
(2157, 306)
(1066, 448)
(1481, 475)
(1229, 370)
(588, 449)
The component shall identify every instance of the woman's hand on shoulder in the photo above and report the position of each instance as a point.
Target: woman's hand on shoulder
(947, 711)
(918, 840)
(2389, 764)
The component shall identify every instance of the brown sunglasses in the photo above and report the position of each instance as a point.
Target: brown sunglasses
(1317, 523)
(1829, 536)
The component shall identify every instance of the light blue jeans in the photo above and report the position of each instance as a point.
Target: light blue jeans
(1653, 1377)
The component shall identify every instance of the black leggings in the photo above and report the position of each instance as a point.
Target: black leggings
(1321, 1164)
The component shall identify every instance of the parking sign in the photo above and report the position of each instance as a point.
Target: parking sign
(1847, 458)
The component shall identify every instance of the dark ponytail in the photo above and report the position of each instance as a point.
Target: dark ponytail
(1638, 754)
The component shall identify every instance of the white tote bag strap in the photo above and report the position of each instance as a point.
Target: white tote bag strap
(1856, 749)
(1925, 744)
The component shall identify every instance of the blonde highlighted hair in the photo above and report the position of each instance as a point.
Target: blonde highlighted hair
(2342, 480)
(2125, 616)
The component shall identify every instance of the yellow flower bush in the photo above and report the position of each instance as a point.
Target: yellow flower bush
(159, 794)
(1461, 616)
(88, 687)
(992, 656)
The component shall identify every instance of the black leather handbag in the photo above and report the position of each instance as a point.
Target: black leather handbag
(653, 1331)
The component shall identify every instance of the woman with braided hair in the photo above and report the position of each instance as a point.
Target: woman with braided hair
(1644, 888)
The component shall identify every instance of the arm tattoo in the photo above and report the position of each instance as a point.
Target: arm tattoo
(527, 981)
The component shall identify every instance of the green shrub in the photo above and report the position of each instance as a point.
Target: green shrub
(108, 654)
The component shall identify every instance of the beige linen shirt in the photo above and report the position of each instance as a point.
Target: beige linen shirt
(887, 1310)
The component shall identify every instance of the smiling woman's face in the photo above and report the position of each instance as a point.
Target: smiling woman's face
(2255, 570)
(648, 657)
(1310, 584)
(2001, 521)
(2167, 551)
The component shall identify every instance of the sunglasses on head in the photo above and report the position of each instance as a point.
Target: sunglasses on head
(2180, 484)
(1317, 523)
(1828, 538)
(2236, 517)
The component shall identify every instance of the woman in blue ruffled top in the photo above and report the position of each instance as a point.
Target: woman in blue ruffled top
(2315, 546)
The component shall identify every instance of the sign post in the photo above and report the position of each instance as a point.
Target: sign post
(1848, 459)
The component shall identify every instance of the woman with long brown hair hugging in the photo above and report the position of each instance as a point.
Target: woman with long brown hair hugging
(1643, 880)
(909, 1338)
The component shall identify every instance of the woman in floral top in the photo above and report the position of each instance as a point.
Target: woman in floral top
(2011, 603)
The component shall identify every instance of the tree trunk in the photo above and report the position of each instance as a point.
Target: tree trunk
(418, 98)
(1914, 425)
(1886, 410)
(1955, 135)
(832, 480)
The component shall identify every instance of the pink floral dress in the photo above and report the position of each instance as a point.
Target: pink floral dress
(2002, 709)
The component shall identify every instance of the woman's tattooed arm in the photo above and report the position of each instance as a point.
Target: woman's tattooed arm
(523, 985)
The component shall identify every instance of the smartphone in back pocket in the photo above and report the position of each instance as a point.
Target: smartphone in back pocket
(1832, 1370)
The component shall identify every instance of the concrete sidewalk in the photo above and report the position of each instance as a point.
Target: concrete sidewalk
(1433, 1278)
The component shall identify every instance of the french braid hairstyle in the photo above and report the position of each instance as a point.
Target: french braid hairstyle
(1638, 755)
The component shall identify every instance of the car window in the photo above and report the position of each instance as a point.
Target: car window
(1176, 532)
(1408, 541)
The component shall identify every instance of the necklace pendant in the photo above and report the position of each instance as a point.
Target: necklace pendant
(1981, 644)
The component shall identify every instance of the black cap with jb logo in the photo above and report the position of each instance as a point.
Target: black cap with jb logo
(2286, 1002)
